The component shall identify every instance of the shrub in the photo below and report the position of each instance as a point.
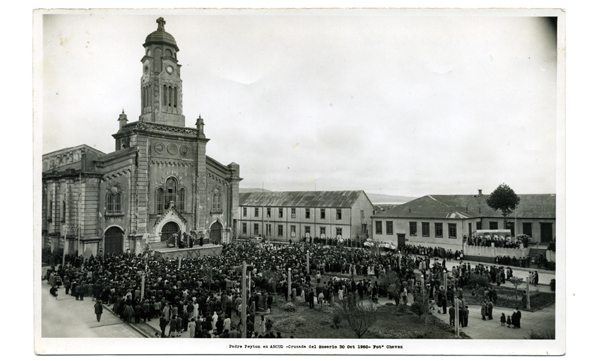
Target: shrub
(289, 324)
(337, 320)
(477, 281)
(289, 307)
(51, 258)
(417, 307)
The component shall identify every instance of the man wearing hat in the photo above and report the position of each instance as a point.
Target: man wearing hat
(98, 309)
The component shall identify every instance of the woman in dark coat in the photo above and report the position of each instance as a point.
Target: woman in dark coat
(490, 308)
(483, 310)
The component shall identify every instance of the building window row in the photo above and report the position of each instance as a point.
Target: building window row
(338, 213)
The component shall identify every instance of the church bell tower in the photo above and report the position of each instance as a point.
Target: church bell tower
(160, 85)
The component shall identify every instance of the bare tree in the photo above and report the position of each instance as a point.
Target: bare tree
(516, 281)
(359, 315)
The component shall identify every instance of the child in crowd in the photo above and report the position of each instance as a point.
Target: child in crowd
(502, 320)
(508, 322)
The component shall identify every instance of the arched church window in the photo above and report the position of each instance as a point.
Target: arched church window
(169, 53)
(113, 200)
(164, 95)
(160, 204)
(175, 97)
(64, 212)
(181, 200)
(170, 96)
(216, 200)
(170, 192)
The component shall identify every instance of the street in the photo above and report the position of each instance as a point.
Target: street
(66, 317)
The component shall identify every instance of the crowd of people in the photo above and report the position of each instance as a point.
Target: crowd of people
(522, 241)
(202, 296)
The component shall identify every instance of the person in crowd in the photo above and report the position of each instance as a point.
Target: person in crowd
(98, 310)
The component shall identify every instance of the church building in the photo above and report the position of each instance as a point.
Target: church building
(157, 182)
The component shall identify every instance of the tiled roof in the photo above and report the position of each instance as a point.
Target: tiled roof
(471, 206)
(324, 199)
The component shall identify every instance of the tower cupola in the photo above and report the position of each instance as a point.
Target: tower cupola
(161, 91)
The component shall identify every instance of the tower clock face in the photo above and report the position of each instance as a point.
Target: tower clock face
(169, 69)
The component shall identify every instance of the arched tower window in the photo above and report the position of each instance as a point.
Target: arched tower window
(174, 97)
(170, 192)
(157, 60)
(160, 204)
(164, 95)
(169, 53)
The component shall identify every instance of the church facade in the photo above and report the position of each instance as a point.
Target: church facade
(157, 183)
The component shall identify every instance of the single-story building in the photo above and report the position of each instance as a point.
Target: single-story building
(443, 220)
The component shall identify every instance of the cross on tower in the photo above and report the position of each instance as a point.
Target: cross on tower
(161, 24)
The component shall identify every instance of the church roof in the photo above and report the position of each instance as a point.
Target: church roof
(160, 36)
(324, 199)
(471, 206)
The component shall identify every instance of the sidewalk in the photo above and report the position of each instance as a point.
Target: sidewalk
(477, 328)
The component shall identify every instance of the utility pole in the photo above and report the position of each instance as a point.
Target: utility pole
(65, 245)
(143, 285)
(425, 298)
(307, 263)
(456, 315)
(244, 299)
(289, 282)
(527, 294)
(445, 282)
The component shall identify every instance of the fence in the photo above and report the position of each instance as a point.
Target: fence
(493, 252)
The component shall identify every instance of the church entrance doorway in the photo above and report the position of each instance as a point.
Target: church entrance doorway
(167, 231)
(113, 240)
(215, 233)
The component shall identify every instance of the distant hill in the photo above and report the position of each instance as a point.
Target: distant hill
(375, 198)
(253, 190)
(387, 199)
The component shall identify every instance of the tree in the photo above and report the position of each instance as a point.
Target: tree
(359, 315)
(503, 199)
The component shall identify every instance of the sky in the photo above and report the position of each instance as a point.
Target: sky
(387, 101)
